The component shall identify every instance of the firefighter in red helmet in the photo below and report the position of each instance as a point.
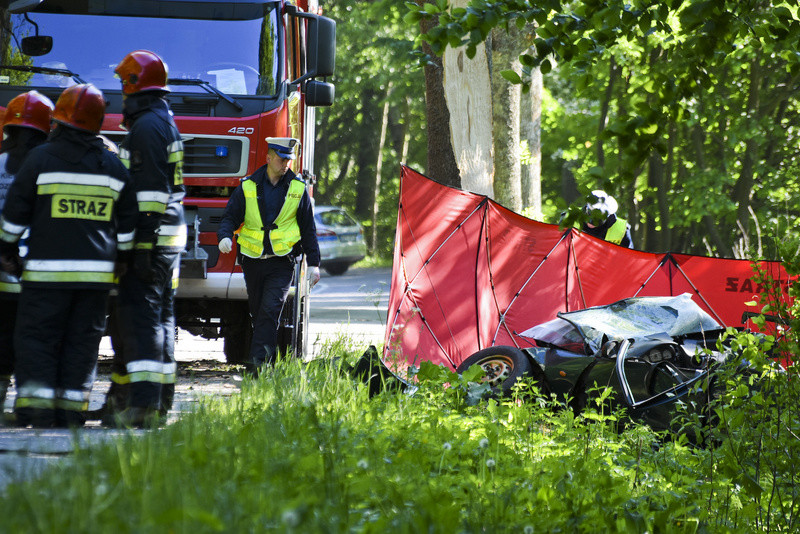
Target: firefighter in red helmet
(25, 126)
(76, 198)
(143, 318)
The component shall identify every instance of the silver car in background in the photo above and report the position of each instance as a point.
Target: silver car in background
(341, 239)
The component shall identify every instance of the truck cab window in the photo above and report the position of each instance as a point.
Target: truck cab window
(235, 56)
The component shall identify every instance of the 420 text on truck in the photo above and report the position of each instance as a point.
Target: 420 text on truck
(239, 72)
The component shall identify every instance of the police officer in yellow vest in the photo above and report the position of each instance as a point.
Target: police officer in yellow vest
(276, 217)
(602, 221)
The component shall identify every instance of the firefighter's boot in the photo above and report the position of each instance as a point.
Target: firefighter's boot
(167, 400)
(136, 417)
(116, 400)
(5, 383)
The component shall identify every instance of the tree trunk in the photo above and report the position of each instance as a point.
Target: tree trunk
(653, 238)
(613, 72)
(661, 194)
(441, 159)
(469, 98)
(366, 157)
(406, 131)
(744, 185)
(506, 113)
(378, 169)
(531, 126)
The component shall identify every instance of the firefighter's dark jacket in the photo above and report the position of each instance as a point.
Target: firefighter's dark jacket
(270, 200)
(78, 201)
(153, 153)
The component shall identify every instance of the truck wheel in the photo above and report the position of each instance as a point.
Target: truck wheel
(336, 269)
(503, 365)
(237, 335)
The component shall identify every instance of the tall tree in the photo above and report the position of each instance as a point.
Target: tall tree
(694, 102)
(481, 107)
(374, 52)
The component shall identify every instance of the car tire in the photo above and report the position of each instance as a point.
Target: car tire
(504, 365)
(336, 269)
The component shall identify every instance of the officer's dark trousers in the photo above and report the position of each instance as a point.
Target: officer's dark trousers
(143, 336)
(268, 283)
(56, 342)
(8, 319)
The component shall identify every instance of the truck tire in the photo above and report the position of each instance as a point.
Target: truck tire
(237, 334)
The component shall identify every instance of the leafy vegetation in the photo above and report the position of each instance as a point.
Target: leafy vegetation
(374, 68)
(685, 110)
(304, 448)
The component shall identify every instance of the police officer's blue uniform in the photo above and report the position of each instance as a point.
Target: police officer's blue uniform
(269, 276)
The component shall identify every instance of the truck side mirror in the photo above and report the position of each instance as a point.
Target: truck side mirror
(36, 45)
(319, 93)
(321, 46)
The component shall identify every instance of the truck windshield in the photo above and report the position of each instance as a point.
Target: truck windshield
(238, 57)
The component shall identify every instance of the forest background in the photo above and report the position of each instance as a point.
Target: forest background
(685, 110)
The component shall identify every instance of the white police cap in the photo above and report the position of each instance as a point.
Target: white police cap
(601, 201)
(285, 147)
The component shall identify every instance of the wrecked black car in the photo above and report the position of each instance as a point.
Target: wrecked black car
(653, 352)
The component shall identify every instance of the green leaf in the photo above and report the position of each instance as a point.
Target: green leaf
(431, 9)
(527, 60)
(412, 17)
(474, 373)
(511, 76)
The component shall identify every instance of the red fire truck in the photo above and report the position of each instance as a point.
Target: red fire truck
(239, 71)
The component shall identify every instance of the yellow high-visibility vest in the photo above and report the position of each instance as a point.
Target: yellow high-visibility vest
(617, 232)
(286, 232)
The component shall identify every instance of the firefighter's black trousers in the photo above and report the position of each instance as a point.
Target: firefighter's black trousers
(268, 281)
(56, 342)
(8, 319)
(143, 335)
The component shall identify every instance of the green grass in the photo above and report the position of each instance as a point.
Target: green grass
(304, 449)
(373, 262)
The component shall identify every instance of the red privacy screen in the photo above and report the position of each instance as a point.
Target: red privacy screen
(469, 273)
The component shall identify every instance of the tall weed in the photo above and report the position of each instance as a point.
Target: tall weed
(304, 448)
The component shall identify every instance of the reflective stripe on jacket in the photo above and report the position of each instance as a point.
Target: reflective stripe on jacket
(153, 152)
(77, 200)
(9, 283)
(285, 232)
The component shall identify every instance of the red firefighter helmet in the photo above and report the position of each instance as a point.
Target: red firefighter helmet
(81, 106)
(29, 110)
(142, 70)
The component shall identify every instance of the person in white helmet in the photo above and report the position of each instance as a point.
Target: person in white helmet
(602, 221)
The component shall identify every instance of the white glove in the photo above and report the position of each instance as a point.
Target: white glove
(225, 245)
(313, 276)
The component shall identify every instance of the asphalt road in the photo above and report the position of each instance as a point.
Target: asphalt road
(353, 305)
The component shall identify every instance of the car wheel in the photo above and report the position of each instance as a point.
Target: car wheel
(503, 365)
(336, 269)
